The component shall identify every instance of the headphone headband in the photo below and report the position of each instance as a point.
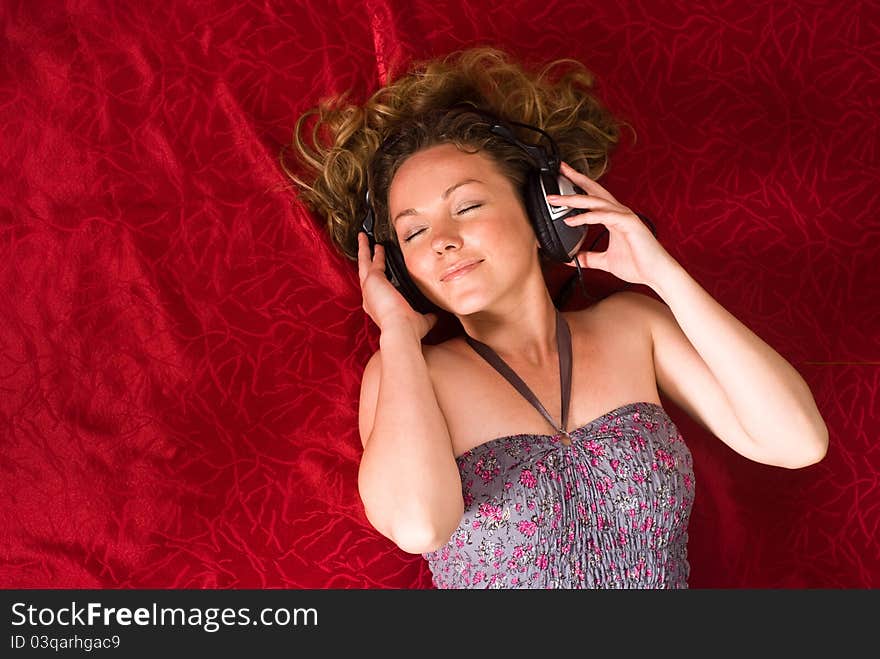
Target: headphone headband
(548, 163)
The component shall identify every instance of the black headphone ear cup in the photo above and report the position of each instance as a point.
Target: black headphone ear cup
(536, 206)
(397, 274)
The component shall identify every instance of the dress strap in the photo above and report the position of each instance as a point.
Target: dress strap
(563, 340)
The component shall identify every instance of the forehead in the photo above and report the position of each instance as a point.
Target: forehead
(424, 176)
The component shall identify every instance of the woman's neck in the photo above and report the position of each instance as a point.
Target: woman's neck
(523, 332)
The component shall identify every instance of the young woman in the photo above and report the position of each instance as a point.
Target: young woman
(533, 451)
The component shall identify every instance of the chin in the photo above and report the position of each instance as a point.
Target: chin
(465, 306)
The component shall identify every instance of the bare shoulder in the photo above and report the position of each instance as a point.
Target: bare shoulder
(631, 302)
(626, 315)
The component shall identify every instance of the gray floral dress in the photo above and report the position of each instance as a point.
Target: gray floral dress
(609, 511)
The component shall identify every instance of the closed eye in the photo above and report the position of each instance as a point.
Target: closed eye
(463, 210)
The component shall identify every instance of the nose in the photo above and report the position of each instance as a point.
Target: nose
(446, 236)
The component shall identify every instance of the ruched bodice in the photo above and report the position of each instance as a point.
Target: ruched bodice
(609, 511)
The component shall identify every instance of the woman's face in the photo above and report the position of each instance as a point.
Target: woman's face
(449, 207)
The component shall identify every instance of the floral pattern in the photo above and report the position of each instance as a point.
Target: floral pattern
(609, 511)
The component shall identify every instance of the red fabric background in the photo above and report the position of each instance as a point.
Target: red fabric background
(181, 348)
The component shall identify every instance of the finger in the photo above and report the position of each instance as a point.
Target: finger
(592, 260)
(379, 256)
(588, 184)
(363, 250)
(578, 177)
(606, 218)
(590, 202)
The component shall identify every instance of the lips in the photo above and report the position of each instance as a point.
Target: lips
(460, 269)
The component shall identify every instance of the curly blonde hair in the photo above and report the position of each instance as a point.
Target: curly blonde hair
(335, 144)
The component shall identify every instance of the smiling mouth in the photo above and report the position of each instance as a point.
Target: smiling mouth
(461, 272)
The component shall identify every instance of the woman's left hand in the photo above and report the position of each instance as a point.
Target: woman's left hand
(633, 253)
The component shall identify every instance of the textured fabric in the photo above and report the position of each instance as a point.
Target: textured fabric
(181, 348)
(610, 511)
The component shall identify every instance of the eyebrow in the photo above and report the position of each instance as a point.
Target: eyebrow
(446, 193)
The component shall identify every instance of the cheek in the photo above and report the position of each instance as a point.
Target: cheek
(418, 263)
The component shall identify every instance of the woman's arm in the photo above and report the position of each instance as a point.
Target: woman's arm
(408, 478)
(771, 401)
(704, 356)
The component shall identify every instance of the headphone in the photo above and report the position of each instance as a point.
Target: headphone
(559, 241)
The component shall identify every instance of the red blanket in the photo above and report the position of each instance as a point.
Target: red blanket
(181, 348)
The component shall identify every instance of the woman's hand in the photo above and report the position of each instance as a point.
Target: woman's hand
(633, 253)
(382, 302)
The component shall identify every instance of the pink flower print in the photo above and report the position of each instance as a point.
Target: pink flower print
(637, 569)
(476, 525)
(665, 457)
(468, 500)
(491, 512)
(527, 478)
(459, 542)
(478, 577)
(541, 466)
(637, 443)
(615, 463)
(514, 581)
(527, 528)
(499, 552)
(638, 477)
(484, 471)
(603, 427)
(542, 561)
(604, 485)
(595, 447)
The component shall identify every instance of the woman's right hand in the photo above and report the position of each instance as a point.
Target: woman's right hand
(382, 302)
